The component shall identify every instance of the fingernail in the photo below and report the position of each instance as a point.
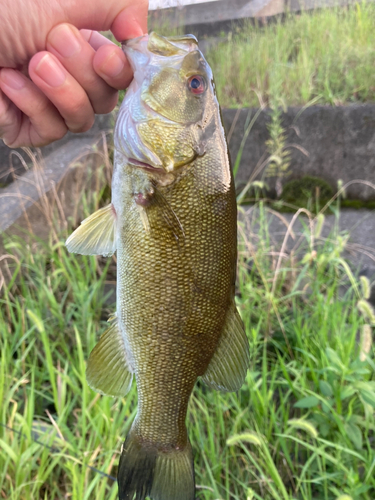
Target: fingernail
(50, 71)
(12, 79)
(64, 41)
(113, 65)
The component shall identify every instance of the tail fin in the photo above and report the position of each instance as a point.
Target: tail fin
(146, 471)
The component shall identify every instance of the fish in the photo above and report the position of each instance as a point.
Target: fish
(173, 222)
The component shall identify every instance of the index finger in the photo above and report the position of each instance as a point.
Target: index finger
(95, 39)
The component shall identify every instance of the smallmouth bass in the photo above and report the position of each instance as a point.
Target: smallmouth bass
(173, 223)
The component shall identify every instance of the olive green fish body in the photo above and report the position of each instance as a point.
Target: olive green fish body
(175, 289)
(172, 221)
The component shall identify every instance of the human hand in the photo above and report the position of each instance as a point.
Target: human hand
(72, 74)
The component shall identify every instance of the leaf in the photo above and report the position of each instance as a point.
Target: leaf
(334, 358)
(347, 392)
(358, 419)
(324, 429)
(308, 402)
(36, 320)
(318, 417)
(326, 408)
(368, 397)
(367, 392)
(362, 489)
(366, 386)
(8, 450)
(325, 388)
(361, 371)
(354, 434)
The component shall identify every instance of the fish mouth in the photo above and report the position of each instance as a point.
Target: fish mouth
(131, 42)
(146, 166)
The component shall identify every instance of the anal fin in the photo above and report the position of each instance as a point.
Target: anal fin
(96, 235)
(229, 364)
(107, 370)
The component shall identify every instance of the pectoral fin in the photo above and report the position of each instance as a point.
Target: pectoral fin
(228, 366)
(107, 369)
(164, 221)
(96, 235)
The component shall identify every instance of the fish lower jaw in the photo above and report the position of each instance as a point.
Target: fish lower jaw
(146, 166)
(163, 177)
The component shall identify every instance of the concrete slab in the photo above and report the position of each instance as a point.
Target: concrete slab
(12, 161)
(17, 198)
(359, 225)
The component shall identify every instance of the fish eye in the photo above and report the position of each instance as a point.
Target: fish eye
(197, 84)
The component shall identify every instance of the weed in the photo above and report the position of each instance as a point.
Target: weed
(302, 426)
(279, 160)
(323, 56)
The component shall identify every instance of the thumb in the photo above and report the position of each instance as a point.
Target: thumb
(131, 22)
(125, 18)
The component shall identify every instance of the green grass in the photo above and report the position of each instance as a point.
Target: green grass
(325, 56)
(302, 426)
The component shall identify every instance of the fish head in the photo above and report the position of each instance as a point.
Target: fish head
(167, 113)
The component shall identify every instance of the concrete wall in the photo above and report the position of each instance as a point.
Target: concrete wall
(211, 18)
(339, 141)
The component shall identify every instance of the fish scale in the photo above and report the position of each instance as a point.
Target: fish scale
(173, 223)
